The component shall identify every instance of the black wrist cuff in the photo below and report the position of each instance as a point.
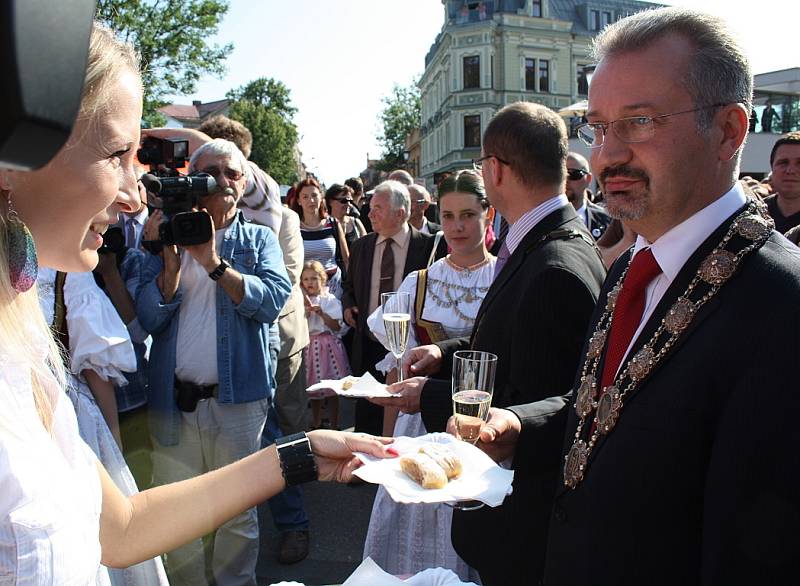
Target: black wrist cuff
(298, 464)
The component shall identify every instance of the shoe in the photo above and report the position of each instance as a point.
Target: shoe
(294, 547)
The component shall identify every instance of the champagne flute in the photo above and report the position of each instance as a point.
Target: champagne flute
(396, 321)
(473, 385)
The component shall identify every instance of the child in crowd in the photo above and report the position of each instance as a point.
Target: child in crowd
(325, 355)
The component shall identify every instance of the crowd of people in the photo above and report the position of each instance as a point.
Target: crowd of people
(641, 305)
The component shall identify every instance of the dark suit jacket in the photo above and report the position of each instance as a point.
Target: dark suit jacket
(598, 219)
(356, 286)
(434, 227)
(534, 318)
(697, 482)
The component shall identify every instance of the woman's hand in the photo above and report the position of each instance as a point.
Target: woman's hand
(334, 452)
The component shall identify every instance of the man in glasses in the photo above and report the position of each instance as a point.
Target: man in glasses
(678, 465)
(420, 202)
(209, 308)
(534, 317)
(579, 178)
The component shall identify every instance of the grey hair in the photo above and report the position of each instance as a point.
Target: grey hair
(399, 197)
(719, 72)
(221, 148)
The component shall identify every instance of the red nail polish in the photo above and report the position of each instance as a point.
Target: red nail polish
(392, 451)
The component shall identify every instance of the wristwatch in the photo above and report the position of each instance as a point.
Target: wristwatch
(297, 460)
(221, 268)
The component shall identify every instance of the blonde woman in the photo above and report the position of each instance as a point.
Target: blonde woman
(60, 513)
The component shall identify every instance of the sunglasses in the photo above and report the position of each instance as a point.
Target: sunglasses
(344, 201)
(576, 174)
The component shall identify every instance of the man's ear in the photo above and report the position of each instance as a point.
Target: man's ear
(734, 122)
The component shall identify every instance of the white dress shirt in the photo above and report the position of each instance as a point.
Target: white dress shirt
(674, 248)
(50, 495)
(519, 229)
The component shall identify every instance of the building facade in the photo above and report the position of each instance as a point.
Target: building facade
(494, 52)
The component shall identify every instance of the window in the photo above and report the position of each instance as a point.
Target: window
(605, 19)
(544, 75)
(472, 131)
(472, 72)
(530, 75)
(583, 80)
(536, 8)
(594, 20)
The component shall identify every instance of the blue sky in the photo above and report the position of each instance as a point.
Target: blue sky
(340, 57)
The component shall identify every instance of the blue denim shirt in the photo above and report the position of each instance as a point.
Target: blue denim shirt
(134, 394)
(243, 358)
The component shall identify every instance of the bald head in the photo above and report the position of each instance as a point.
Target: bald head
(579, 178)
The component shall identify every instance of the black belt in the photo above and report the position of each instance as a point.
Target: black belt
(187, 395)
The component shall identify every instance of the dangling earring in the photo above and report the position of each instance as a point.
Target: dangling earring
(23, 266)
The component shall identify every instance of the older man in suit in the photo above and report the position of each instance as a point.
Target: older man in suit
(679, 463)
(379, 262)
(534, 317)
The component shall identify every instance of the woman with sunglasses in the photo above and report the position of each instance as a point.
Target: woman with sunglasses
(339, 199)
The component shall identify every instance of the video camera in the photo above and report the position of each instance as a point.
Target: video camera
(113, 241)
(175, 194)
(177, 197)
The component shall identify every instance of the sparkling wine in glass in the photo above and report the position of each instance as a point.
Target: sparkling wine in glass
(473, 385)
(396, 321)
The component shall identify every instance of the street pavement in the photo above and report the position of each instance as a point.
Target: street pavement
(339, 516)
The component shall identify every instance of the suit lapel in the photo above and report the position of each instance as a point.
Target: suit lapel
(366, 269)
(416, 249)
(545, 226)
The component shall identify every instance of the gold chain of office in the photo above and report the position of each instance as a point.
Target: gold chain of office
(747, 233)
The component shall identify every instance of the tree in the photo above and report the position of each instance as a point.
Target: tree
(400, 115)
(172, 37)
(264, 107)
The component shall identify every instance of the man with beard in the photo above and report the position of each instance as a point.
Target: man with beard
(679, 462)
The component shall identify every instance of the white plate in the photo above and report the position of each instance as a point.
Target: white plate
(482, 479)
(363, 387)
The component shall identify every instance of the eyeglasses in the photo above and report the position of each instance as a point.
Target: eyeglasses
(419, 201)
(477, 164)
(229, 173)
(629, 130)
(576, 174)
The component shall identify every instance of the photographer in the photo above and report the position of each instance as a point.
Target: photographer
(208, 307)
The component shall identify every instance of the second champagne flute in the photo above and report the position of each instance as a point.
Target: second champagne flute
(396, 321)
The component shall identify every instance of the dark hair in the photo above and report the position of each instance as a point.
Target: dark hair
(334, 191)
(308, 182)
(465, 181)
(532, 139)
(790, 138)
(232, 130)
(356, 185)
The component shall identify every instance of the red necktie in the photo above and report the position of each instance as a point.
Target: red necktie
(628, 312)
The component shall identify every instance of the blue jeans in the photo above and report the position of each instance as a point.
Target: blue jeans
(286, 507)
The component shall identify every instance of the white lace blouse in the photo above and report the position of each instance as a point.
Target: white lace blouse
(50, 494)
(453, 297)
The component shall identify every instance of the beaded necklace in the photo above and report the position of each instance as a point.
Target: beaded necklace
(453, 294)
(747, 233)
